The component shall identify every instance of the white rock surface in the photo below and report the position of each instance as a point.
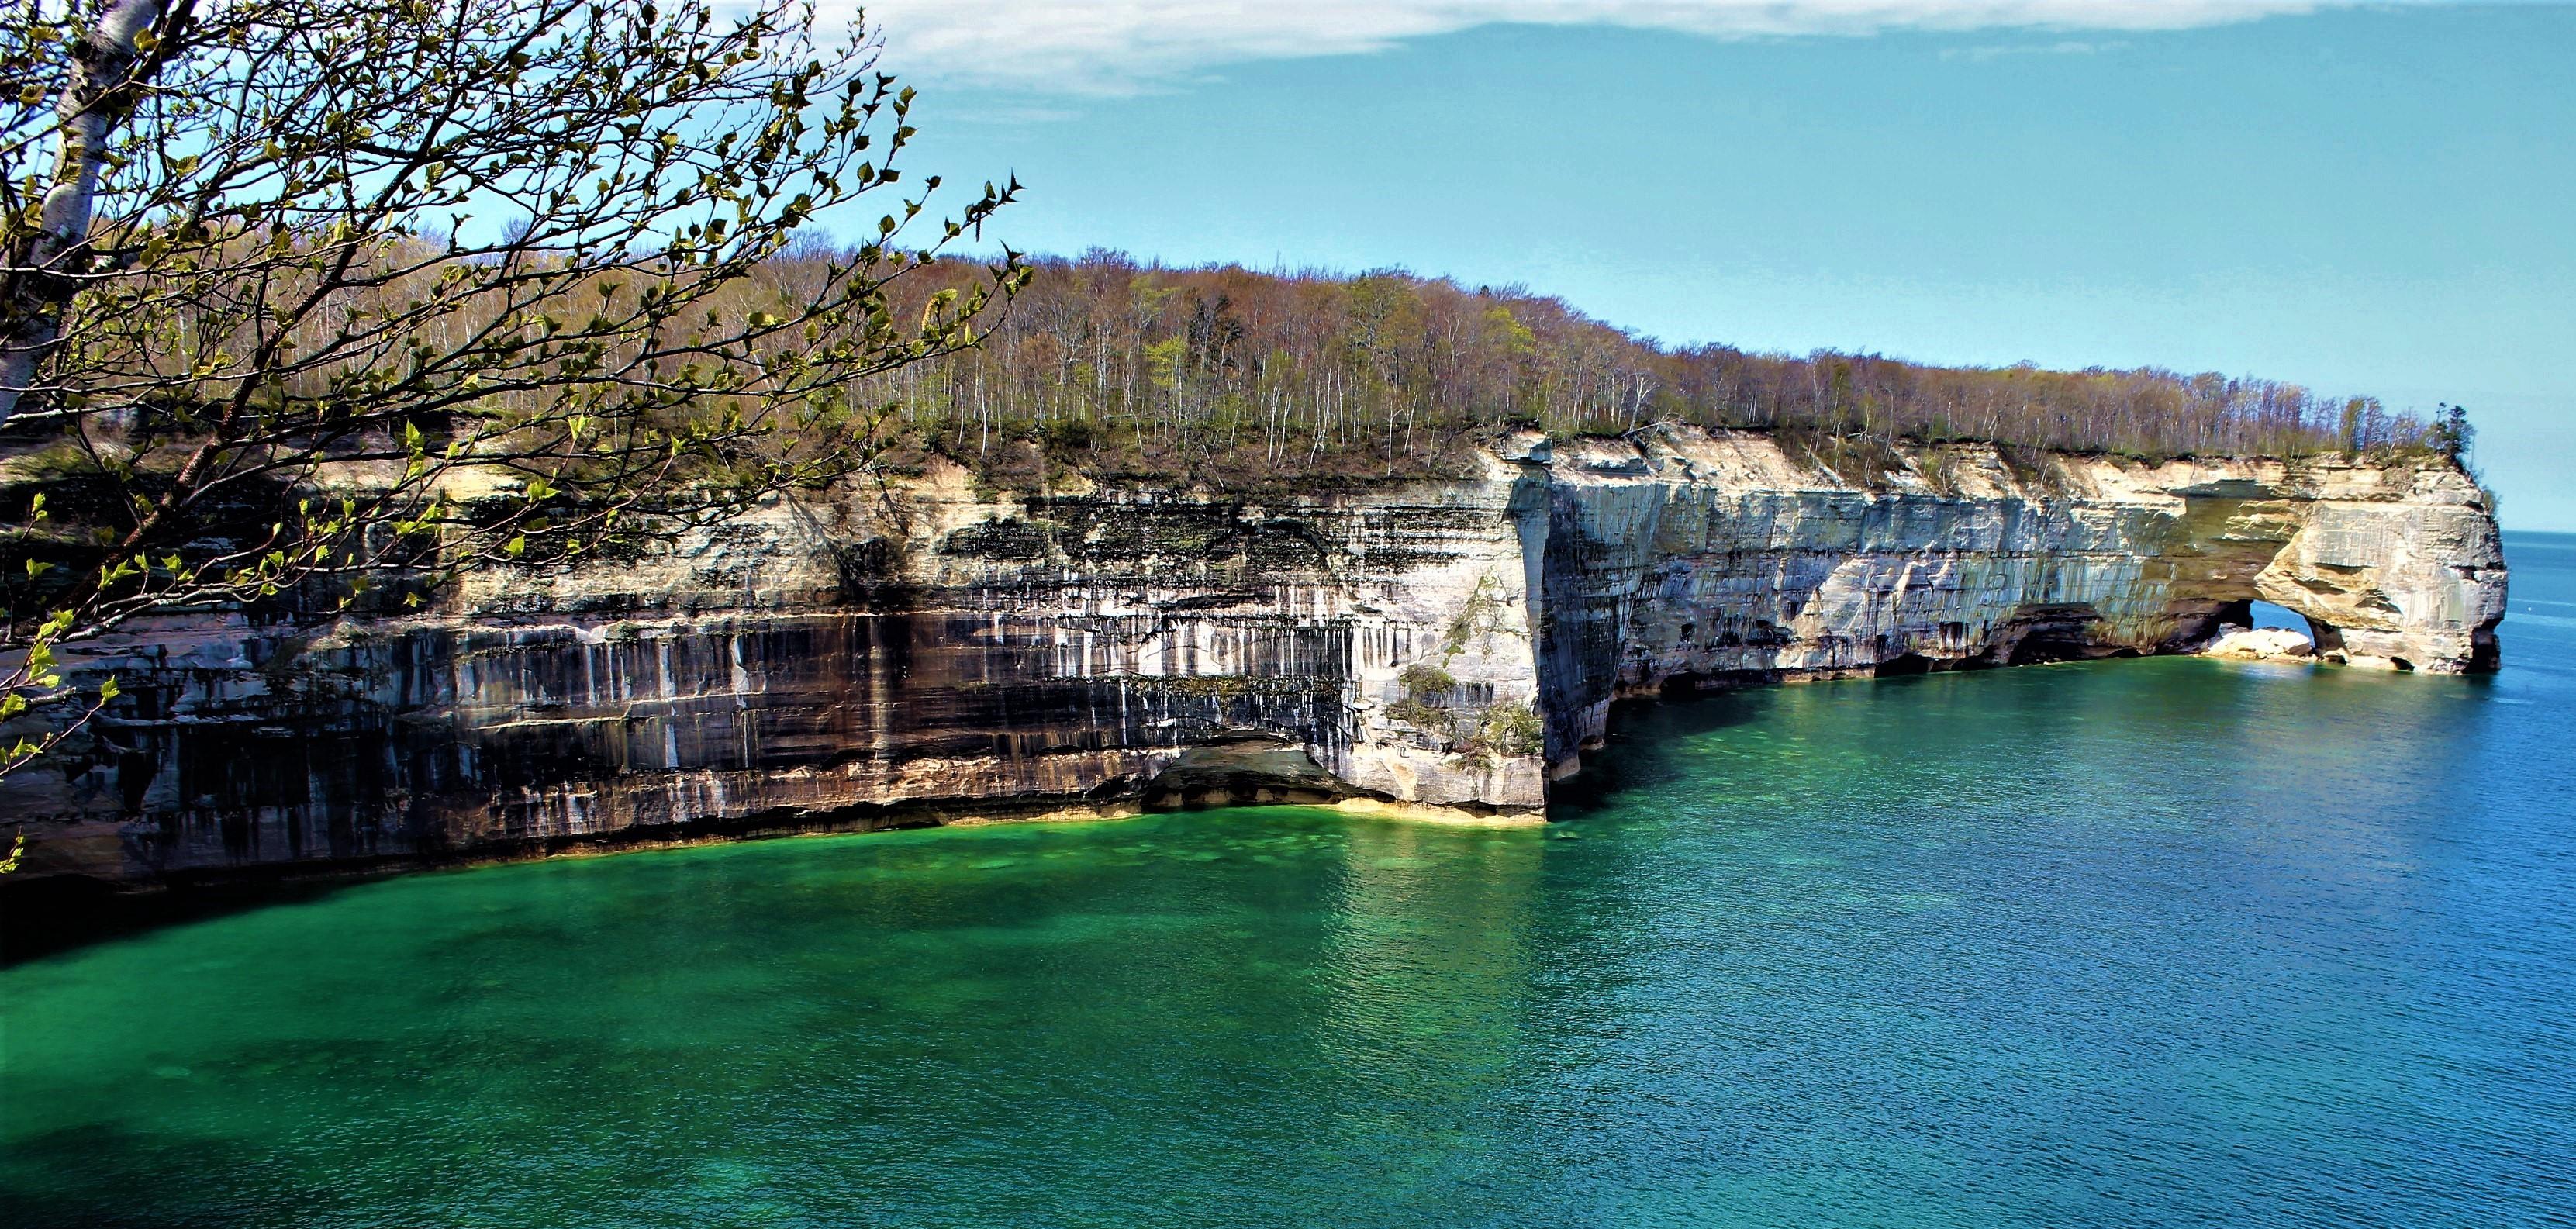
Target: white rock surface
(2261, 644)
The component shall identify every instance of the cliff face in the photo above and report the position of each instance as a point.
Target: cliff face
(1681, 560)
(925, 654)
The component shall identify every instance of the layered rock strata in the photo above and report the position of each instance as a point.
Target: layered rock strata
(925, 652)
(1678, 560)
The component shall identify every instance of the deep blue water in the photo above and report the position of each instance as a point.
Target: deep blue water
(2166, 942)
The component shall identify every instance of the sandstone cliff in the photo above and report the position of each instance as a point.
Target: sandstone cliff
(1679, 559)
(924, 652)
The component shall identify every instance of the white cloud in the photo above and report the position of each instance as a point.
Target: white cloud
(1119, 46)
(2062, 47)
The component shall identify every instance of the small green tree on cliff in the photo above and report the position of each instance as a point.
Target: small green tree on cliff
(2452, 434)
(315, 302)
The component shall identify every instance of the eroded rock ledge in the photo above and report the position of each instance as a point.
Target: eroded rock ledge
(930, 654)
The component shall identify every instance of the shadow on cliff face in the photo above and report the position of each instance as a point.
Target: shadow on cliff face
(1638, 728)
(1642, 730)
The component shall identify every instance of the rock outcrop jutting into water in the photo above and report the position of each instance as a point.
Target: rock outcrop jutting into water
(921, 652)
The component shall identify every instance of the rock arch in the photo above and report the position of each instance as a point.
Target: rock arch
(2387, 584)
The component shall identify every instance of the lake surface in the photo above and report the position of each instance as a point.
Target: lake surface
(2129, 943)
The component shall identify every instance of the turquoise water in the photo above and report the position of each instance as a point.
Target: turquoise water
(2130, 943)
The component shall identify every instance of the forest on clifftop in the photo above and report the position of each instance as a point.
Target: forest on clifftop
(1121, 369)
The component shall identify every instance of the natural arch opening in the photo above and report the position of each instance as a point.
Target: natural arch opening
(2266, 616)
(2323, 640)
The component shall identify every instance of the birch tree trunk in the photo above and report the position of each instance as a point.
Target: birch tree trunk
(43, 272)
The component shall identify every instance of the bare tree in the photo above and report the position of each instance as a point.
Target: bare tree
(322, 300)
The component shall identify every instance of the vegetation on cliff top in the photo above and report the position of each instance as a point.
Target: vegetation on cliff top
(1121, 369)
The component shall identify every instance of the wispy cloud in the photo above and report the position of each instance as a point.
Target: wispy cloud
(1121, 46)
(2070, 46)
(1011, 116)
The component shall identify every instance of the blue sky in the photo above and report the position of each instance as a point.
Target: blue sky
(2370, 200)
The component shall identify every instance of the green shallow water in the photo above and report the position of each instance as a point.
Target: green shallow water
(2157, 942)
